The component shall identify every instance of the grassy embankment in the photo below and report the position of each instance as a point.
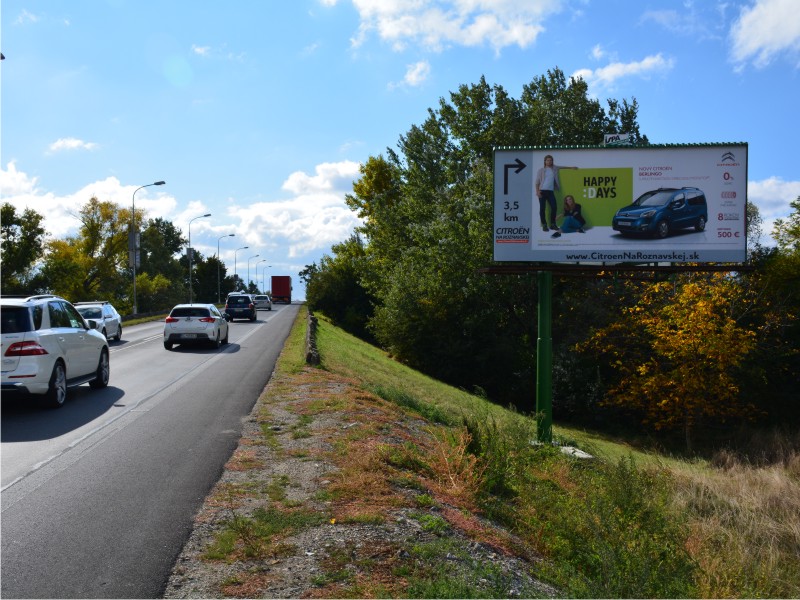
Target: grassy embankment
(625, 524)
(628, 524)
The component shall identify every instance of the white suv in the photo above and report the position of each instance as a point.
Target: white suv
(48, 347)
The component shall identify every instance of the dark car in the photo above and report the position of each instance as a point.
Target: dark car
(241, 306)
(658, 212)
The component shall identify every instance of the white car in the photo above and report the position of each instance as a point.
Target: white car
(109, 321)
(262, 301)
(195, 324)
(48, 347)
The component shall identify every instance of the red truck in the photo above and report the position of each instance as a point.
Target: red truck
(282, 289)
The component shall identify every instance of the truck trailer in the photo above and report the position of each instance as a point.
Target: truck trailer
(282, 289)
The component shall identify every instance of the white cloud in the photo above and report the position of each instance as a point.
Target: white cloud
(689, 21)
(416, 75)
(71, 144)
(221, 52)
(26, 17)
(772, 196)
(60, 211)
(766, 30)
(15, 183)
(598, 52)
(436, 24)
(312, 218)
(606, 77)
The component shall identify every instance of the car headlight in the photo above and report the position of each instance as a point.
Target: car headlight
(648, 214)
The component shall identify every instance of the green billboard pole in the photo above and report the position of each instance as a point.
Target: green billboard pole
(544, 360)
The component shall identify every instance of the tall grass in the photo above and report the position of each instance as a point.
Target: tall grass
(745, 529)
(627, 524)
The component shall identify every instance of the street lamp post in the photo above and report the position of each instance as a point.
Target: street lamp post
(235, 272)
(256, 267)
(219, 295)
(264, 278)
(248, 271)
(190, 252)
(132, 243)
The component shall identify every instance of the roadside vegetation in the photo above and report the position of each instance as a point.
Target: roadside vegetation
(627, 524)
(624, 523)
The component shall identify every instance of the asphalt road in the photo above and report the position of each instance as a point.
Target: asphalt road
(98, 497)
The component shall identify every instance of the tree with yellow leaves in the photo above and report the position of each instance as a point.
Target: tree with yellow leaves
(676, 353)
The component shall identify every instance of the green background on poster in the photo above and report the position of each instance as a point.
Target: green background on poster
(600, 192)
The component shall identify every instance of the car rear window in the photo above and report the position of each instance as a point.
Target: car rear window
(91, 313)
(16, 319)
(189, 311)
(239, 300)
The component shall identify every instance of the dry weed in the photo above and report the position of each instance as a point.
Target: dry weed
(745, 525)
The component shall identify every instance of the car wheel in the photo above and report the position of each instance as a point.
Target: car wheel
(662, 229)
(168, 345)
(701, 224)
(253, 318)
(227, 333)
(103, 372)
(118, 337)
(57, 392)
(105, 335)
(216, 343)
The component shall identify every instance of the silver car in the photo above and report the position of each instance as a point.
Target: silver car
(195, 324)
(48, 347)
(262, 301)
(108, 320)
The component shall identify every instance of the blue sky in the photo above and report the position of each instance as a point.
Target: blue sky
(260, 111)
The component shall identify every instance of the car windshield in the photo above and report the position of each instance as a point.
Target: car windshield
(15, 319)
(654, 199)
(189, 311)
(90, 312)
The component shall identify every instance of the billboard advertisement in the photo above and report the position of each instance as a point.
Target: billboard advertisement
(636, 204)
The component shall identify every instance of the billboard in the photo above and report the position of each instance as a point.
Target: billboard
(636, 204)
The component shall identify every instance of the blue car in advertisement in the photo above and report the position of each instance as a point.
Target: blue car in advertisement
(659, 212)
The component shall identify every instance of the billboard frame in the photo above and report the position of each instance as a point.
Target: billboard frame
(546, 269)
(676, 249)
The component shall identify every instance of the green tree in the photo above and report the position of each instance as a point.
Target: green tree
(23, 242)
(775, 283)
(427, 211)
(91, 265)
(160, 279)
(335, 287)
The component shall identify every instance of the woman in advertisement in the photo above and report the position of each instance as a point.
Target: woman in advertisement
(573, 219)
(546, 185)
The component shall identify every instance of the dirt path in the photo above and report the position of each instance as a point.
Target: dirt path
(334, 492)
